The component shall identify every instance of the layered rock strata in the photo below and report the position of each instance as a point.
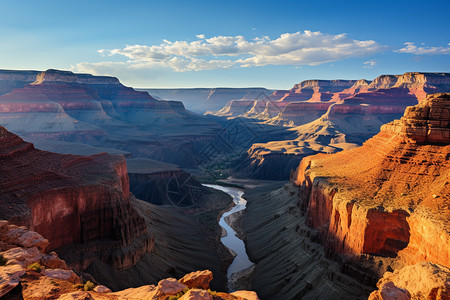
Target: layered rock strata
(347, 120)
(348, 218)
(81, 202)
(388, 198)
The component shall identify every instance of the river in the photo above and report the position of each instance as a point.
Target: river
(231, 241)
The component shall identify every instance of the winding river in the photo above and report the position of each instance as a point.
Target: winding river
(231, 241)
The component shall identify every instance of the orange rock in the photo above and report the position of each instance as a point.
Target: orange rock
(423, 280)
(170, 286)
(247, 295)
(199, 279)
(196, 294)
(389, 291)
(9, 277)
(378, 199)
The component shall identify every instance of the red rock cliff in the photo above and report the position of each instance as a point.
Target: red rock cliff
(389, 197)
(72, 200)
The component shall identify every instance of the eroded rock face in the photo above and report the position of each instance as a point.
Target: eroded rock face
(71, 200)
(390, 197)
(423, 280)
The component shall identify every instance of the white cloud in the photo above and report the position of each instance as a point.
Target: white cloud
(369, 64)
(218, 52)
(413, 49)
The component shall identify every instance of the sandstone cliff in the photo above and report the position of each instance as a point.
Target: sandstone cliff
(73, 200)
(385, 94)
(388, 198)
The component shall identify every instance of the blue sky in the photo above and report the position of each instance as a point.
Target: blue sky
(274, 44)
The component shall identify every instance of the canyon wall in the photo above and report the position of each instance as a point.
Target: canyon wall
(378, 212)
(74, 200)
(388, 198)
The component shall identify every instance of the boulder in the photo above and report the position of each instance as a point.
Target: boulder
(246, 295)
(199, 279)
(102, 289)
(9, 277)
(170, 286)
(67, 275)
(389, 291)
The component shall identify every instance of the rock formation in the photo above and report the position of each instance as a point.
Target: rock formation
(423, 280)
(166, 184)
(28, 271)
(348, 119)
(83, 204)
(98, 111)
(400, 175)
(353, 216)
(385, 94)
(73, 200)
(388, 198)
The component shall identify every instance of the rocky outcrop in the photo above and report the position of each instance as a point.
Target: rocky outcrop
(26, 272)
(348, 218)
(423, 280)
(388, 198)
(75, 201)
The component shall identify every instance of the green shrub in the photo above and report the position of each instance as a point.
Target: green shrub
(35, 267)
(3, 260)
(89, 286)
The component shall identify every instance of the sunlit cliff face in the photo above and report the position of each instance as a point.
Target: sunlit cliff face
(389, 197)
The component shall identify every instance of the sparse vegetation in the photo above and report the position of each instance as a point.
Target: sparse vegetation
(3, 260)
(78, 286)
(212, 293)
(179, 295)
(89, 286)
(35, 267)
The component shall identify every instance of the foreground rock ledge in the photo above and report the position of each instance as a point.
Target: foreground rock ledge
(44, 276)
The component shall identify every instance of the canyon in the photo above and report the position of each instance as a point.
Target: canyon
(201, 100)
(83, 204)
(377, 211)
(61, 111)
(328, 117)
(364, 214)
